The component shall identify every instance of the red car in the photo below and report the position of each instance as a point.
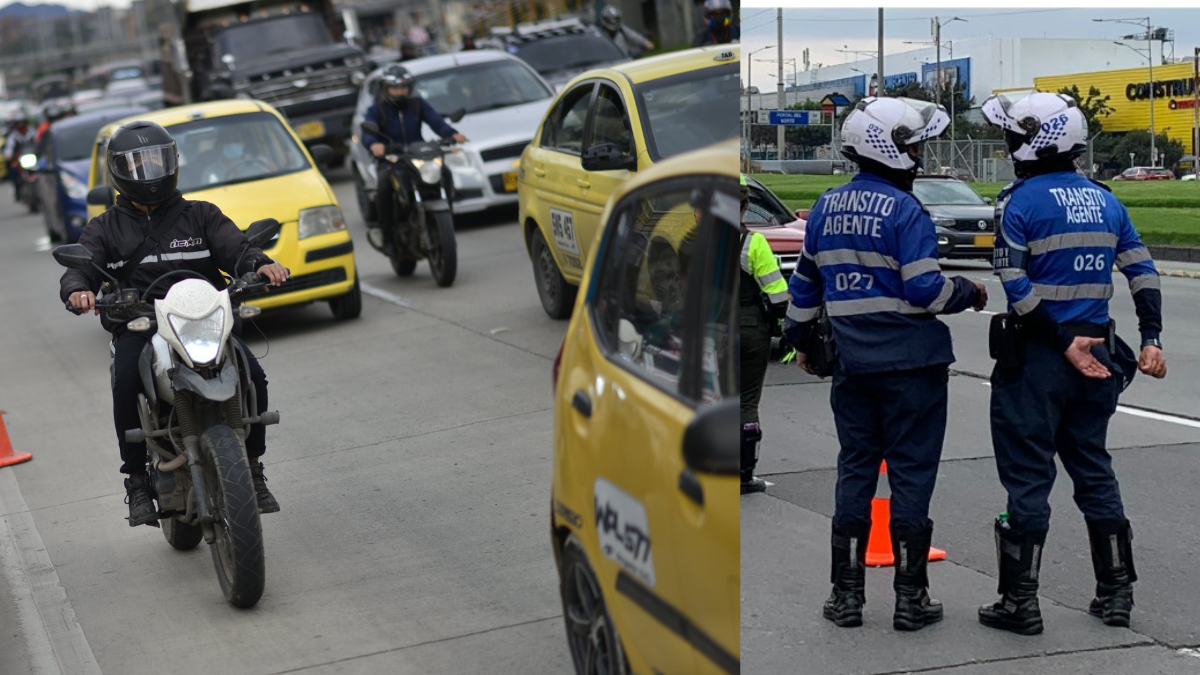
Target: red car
(783, 229)
(1146, 173)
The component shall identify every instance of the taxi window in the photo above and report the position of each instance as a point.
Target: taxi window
(718, 358)
(564, 127)
(610, 122)
(234, 149)
(638, 306)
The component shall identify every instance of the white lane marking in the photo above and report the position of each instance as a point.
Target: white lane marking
(1148, 414)
(388, 296)
(1188, 651)
(42, 244)
(54, 638)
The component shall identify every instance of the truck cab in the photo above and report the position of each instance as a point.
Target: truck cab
(277, 51)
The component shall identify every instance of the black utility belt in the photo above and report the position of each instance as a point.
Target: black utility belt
(1008, 337)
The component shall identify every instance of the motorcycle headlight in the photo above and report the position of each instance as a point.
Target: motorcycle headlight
(431, 171)
(28, 161)
(201, 338)
(74, 188)
(320, 220)
(457, 159)
(357, 77)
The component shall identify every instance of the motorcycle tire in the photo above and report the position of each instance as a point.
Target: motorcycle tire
(402, 266)
(443, 249)
(348, 306)
(238, 550)
(557, 296)
(181, 536)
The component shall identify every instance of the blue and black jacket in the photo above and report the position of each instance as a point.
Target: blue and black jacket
(870, 256)
(405, 126)
(1058, 237)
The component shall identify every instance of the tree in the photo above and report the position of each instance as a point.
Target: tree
(1093, 106)
(1111, 151)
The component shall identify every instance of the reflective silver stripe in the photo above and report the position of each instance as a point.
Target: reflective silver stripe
(919, 267)
(805, 254)
(189, 255)
(1133, 255)
(1143, 282)
(871, 306)
(798, 314)
(796, 274)
(1011, 242)
(1010, 274)
(1072, 240)
(746, 254)
(1079, 292)
(1027, 304)
(939, 303)
(779, 297)
(849, 256)
(770, 278)
(113, 266)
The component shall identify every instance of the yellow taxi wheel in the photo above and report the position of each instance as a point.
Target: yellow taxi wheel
(558, 296)
(591, 635)
(348, 306)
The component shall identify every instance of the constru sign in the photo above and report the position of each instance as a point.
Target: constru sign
(1162, 89)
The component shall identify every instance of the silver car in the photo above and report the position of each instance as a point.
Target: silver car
(505, 100)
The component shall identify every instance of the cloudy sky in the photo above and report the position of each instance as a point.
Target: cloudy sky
(824, 31)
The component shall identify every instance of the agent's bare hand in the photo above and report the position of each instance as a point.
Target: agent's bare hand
(377, 149)
(459, 138)
(1080, 356)
(84, 300)
(802, 361)
(1152, 362)
(981, 303)
(275, 273)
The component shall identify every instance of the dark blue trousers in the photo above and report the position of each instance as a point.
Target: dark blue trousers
(899, 417)
(1045, 408)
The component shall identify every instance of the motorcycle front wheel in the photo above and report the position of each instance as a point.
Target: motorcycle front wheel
(443, 250)
(238, 550)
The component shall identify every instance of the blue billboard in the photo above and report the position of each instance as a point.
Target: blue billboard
(794, 117)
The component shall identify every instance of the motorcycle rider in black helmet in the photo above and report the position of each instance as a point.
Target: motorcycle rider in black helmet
(143, 164)
(399, 114)
(628, 40)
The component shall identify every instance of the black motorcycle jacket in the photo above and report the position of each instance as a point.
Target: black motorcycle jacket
(203, 240)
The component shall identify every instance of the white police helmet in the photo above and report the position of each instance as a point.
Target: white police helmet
(1039, 126)
(884, 130)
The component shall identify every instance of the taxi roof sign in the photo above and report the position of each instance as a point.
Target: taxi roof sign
(725, 55)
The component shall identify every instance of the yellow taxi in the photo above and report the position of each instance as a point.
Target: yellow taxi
(645, 511)
(242, 156)
(603, 127)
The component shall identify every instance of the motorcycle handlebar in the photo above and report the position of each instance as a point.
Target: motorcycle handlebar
(72, 309)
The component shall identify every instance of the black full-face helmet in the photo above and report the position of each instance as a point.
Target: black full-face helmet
(143, 163)
(396, 75)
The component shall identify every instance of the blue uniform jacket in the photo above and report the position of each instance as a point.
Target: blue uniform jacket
(405, 128)
(1058, 238)
(870, 255)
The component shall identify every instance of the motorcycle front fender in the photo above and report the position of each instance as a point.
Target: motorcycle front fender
(437, 205)
(221, 388)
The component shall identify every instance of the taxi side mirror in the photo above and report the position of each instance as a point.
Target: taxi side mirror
(607, 157)
(710, 443)
(322, 154)
(101, 195)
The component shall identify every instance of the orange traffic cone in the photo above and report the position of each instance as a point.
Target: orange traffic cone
(879, 542)
(7, 456)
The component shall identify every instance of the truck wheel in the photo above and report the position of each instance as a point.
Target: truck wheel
(348, 306)
(558, 296)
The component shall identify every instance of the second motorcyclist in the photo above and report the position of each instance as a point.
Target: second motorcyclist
(143, 164)
(399, 114)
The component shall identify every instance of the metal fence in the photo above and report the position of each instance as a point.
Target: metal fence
(977, 160)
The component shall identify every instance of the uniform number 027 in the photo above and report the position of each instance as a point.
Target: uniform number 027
(853, 281)
(1090, 263)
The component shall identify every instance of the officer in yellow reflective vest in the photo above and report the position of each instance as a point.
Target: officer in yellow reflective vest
(764, 299)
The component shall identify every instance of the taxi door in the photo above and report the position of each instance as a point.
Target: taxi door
(552, 169)
(707, 532)
(98, 175)
(637, 416)
(609, 123)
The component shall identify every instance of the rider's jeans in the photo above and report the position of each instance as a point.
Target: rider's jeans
(127, 384)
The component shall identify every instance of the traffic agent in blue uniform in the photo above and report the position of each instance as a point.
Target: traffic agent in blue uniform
(1060, 367)
(870, 266)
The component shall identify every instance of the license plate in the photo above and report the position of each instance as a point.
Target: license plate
(310, 130)
(510, 181)
(985, 240)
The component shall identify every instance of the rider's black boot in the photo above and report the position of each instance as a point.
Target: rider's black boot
(141, 506)
(266, 501)
(1112, 560)
(849, 576)
(1020, 557)
(914, 608)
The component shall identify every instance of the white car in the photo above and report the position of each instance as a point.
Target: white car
(505, 100)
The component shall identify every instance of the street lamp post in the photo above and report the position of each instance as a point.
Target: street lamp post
(1144, 23)
(750, 101)
(937, 39)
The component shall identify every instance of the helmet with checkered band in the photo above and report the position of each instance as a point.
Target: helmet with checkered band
(889, 131)
(1040, 126)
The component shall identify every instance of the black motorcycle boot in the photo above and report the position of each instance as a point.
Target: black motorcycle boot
(1112, 560)
(1019, 556)
(751, 437)
(266, 501)
(914, 608)
(140, 500)
(849, 576)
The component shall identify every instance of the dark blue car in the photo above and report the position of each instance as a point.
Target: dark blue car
(65, 159)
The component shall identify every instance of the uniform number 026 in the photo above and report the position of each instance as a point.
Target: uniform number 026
(854, 281)
(1090, 263)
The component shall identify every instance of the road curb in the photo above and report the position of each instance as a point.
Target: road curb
(1182, 274)
(1175, 253)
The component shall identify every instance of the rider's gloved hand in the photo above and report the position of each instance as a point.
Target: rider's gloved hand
(85, 301)
(275, 273)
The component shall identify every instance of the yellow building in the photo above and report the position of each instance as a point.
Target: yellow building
(1129, 89)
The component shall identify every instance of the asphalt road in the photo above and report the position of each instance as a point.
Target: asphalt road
(412, 464)
(1155, 441)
